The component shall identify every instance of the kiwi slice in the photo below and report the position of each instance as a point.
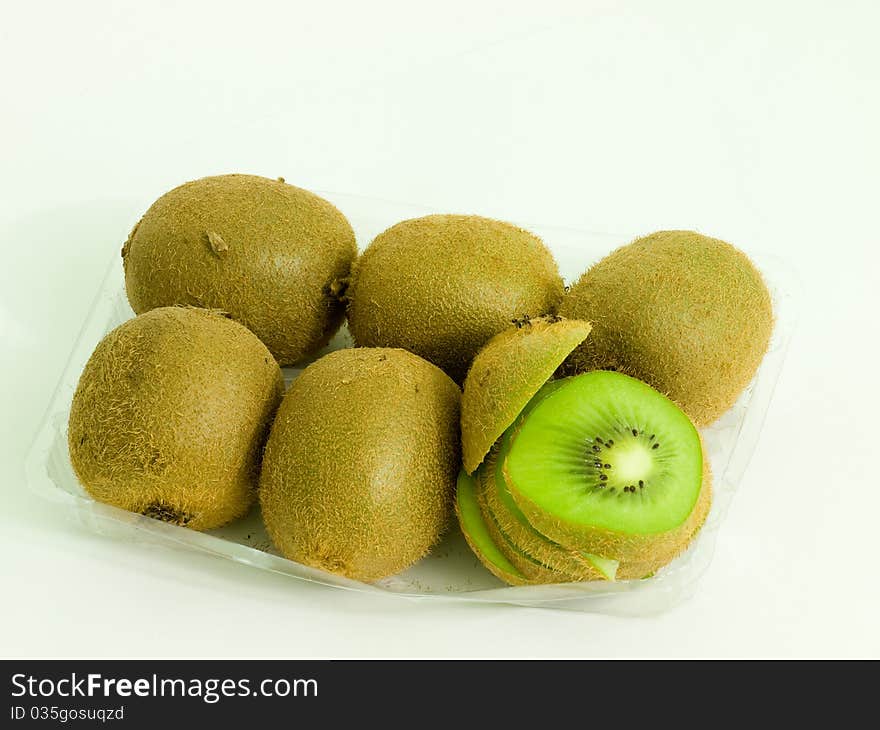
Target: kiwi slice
(477, 534)
(578, 566)
(607, 465)
(506, 374)
(513, 523)
(530, 566)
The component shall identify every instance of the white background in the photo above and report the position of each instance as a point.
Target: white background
(758, 122)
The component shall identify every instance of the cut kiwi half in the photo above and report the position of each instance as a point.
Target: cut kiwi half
(505, 375)
(607, 465)
(470, 519)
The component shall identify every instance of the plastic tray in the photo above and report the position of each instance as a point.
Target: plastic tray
(451, 572)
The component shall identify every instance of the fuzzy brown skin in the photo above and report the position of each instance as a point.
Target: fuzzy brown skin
(687, 314)
(654, 550)
(504, 376)
(171, 414)
(272, 255)
(443, 285)
(360, 469)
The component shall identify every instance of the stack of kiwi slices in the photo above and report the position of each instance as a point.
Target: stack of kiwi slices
(595, 476)
(559, 425)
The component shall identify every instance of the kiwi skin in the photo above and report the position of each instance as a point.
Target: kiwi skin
(506, 373)
(171, 414)
(649, 550)
(274, 256)
(688, 314)
(360, 468)
(441, 286)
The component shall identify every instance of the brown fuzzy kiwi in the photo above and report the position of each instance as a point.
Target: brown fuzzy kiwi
(441, 286)
(688, 314)
(506, 373)
(274, 256)
(360, 468)
(171, 414)
(654, 550)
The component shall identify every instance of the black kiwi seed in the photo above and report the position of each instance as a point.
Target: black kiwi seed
(655, 446)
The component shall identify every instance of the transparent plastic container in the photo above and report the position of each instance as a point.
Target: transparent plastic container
(451, 572)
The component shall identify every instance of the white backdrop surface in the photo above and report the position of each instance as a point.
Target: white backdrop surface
(757, 123)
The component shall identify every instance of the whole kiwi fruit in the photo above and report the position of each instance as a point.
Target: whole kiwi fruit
(688, 314)
(171, 414)
(272, 255)
(360, 468)
(441, 286)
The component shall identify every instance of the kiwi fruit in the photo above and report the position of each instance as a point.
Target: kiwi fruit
(688, 314)
(441, 286)
(506, 373)
(274, 256)
(477, 535)
(360, 468)
(171, 414)
(576, 565)
(497, 500)
(572, 564)
(535, 572)
(607, 465)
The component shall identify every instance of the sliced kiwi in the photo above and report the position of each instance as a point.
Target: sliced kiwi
(506, 373)
(580, 566)
(513, 523)
(534, 570)
(477, 534)
(607, 465)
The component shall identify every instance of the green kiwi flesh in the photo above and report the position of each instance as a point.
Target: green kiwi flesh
(605, 464)
(477, 535)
